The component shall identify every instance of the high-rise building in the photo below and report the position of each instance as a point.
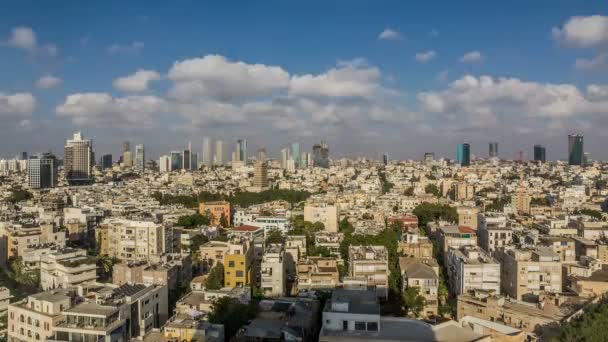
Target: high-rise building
(186, 160)
(78, 159)
(493, 151)
(284, 157)
(540, 153)
(304, 157)
(176, 160)
(193, 161)
(429, 157)
(295, 154)
(241, 148)
(463, 154)
(260, 175)
(23, 155)
(164, 163)
(127, 155)
(261, 155)
(320, 155)
(575, 149)
(207, 155)
(106, 161)
(219, 152)
(385, 159)
(140, 157)
(42, 171)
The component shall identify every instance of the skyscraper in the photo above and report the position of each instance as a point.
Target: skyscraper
(260, 175)
(42, 171)
(78, 159)
(295, 154)
(539, 153)
(127, 156)
(207, 155)
(463, 154)
(193, 161)
(242, 150)
(164, 163)
(575, 149)
(385, 159)
(176, 161)
(261, 155)
(219, 152)
(320, 155)
(429, 157)
(186, 159)
(493, 151)
(284, 158)
(140, 157)
(304, 159)
(106, 161)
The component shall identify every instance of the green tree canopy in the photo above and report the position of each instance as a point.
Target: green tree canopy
(432, 189)
(274, 236)
(413, 301)
(215, 279)
(429, 212)
(232, 314)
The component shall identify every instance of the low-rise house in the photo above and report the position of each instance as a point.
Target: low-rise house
(317, 273)
(370, 262)
(424, 275)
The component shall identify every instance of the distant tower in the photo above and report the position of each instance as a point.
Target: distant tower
(463, 154)
(429, 157)
(176, 160)
(140, 157)
(106, 161)
(493, 151)
(320, 155)
(187, 159)
(207, 155)
(539, 153)
(127, 156)
(385, 159)
(78, 159)
(295, 154)
(42, 171)
(575, 149)
(242, 150)
(260, 175)
(219, 152)
(261, 155)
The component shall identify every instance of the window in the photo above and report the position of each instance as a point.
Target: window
(327, 321)
(344, 325)
(230, 263)
(239, 273)
(372, 326)
(360, 326)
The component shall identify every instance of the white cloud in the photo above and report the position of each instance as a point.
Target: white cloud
(389, 34)
(472, 57)
(442, 76)
(596, 62)
(17, 104)
(132, 48)
(136, 82)
(216, 77)
(23, 38)
(581, 31)
(425, 56)
(347, 80)
(101, 109)
(48, 81)
(597, 92)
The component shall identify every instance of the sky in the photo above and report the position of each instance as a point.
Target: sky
(367, 77)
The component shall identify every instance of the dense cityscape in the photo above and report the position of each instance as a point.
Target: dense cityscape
(304, 247)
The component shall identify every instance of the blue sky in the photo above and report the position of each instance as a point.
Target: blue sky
(283, 71)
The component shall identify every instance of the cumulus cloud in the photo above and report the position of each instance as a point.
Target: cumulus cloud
(472, 57)
(425, 56)
(136, 82)
(132, 48)
(25, 38)
(48, 81)
(101, 110)
(579, 31)
(217, 77)
(596, 62)
(389, 34)
(20, 104)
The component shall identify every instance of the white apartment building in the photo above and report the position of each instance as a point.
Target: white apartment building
(325, 213)
(66, 268)
(273, 271)
(130, 240)
(267, 223)
(493, 232)
(471, 268)
(371, 263)
(33, 318)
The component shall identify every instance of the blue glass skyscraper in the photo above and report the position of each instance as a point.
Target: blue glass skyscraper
(575, 149)
(463, 154)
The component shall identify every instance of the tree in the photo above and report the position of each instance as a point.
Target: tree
(194, 220)
(274, 236)
(105, 263)
(590, 212)
(215, 279)
(428, 212)
(588, 327)
(413, 301)
(18, 195)
(432, 189)
(20, 274)
(409, 191)
(232, 314)
(223, 221)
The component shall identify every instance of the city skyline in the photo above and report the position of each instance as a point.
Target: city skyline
(395, 82)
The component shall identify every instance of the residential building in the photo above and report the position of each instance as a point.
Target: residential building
(320, 155)
(326, 213)
(424, 275)
(78, 159)
(260, 176)
(238, 263)
(42, 171)
(371, 263)
(565, 247)
(467, 216)
(183, 327)
(493, 232)
(35, 317)
(218, 212)
(140, 157)
(5, 297)
(130, 240)
(66, 268)
(317, 273)
(471, 268)
(456, 237)
(273, 271)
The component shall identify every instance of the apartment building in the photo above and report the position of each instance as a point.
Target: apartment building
(414, 245)
(470, 268)
(493, 232)
(331, 241)
(183, 327)
(273, 271)
(370, 263)
(456, 237)
(565, 247)
(424, 275)
(295, 249)
(33, 318)
(317, 273)
(467, 216)
(16, 238)
(238, 263)
(213, 252)
(326, 213)
(66, 268)
(217, 211)
(130, 240)
(5, 297)
(172, 271)
(527, 273)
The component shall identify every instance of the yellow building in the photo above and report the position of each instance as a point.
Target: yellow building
(237, 265)
(215, 211)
